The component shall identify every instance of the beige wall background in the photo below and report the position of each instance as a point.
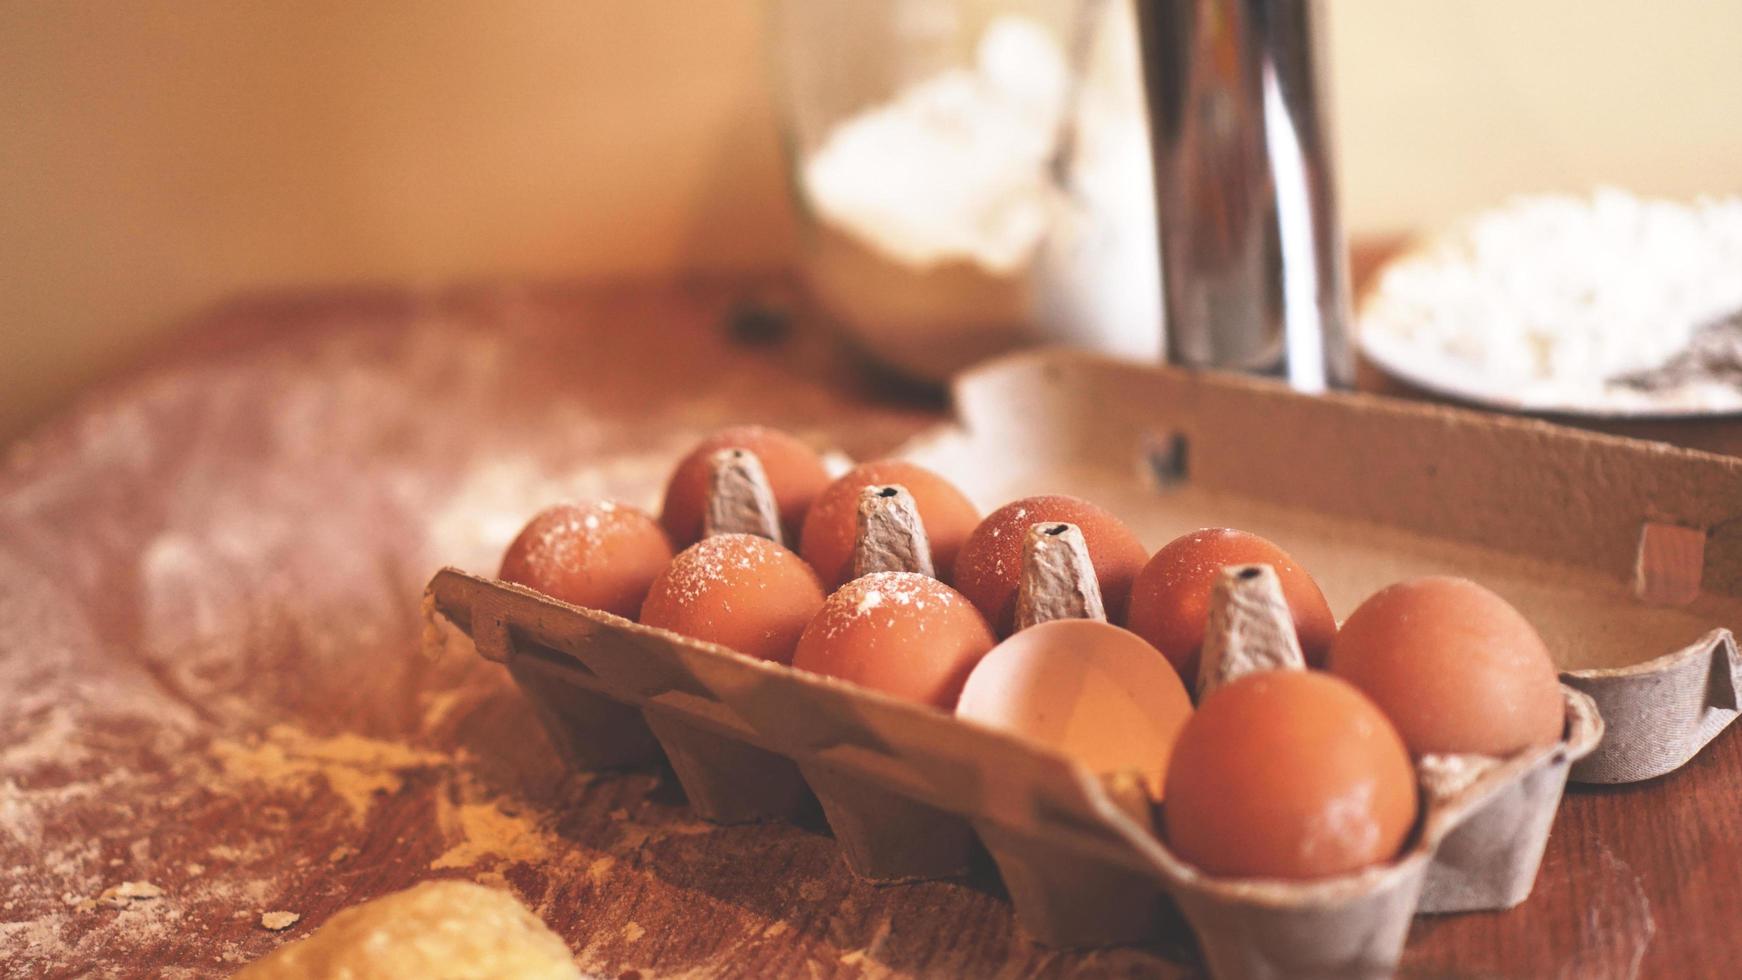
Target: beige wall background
(157, 155)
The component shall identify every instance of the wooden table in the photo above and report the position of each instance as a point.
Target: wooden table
(213, 687)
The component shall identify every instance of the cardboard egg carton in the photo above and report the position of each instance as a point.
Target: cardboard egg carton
(1362, 491)
(911, 793)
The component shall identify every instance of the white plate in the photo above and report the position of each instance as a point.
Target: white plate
(1448, 378)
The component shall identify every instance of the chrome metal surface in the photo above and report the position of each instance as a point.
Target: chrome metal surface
(1254, 271)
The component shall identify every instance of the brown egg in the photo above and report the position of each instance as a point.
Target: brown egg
(795, 474)
(1455, 667)
(1288, 774)
(901, 633)
(833, 521)
(597, 554)
(1090, 690)
(1170, 601)
(990, 563)
(739, 591)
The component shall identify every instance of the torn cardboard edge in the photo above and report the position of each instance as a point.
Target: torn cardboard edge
(1249, 628)
(1058, 579)
(889, 535)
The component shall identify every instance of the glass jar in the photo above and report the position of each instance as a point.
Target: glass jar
(971, 176)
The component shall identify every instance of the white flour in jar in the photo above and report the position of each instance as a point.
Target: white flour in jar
(955, 167)
(945, 234)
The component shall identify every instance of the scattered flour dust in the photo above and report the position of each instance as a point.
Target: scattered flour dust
(355, 768)
(488, 831)
(723, 561)
(498, 496)
(881, 593)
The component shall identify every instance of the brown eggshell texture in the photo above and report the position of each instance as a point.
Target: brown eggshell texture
(1455, 667)
(989, 567)
(1288, 774)
(833, 522)
(1090, 690)
(901, 633)
(739, 591)
(795, 474)
(1170, 601)
(597, 554)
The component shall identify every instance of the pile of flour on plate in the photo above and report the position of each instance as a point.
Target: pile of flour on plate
(1575, 303)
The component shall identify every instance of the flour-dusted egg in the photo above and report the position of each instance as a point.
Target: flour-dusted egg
(1170, 601)
(829, 529)
(1454, 665)
(902, 633)
(739, 591)
(795, 473)
(989, 567)
(1096, 693)
(598, 554)
(1288, 774)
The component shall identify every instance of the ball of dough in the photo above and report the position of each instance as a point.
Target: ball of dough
(436, 929)
(989, 567)
(1455, 667)
(832, 525)
(1170, 601)
(597, 554)
(739, 591)
(1288, 774)
(901, 633)
(795, 474)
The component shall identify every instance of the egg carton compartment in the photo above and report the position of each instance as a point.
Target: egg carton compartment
(911, 793)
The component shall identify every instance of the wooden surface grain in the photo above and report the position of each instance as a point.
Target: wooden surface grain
(211, 677)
